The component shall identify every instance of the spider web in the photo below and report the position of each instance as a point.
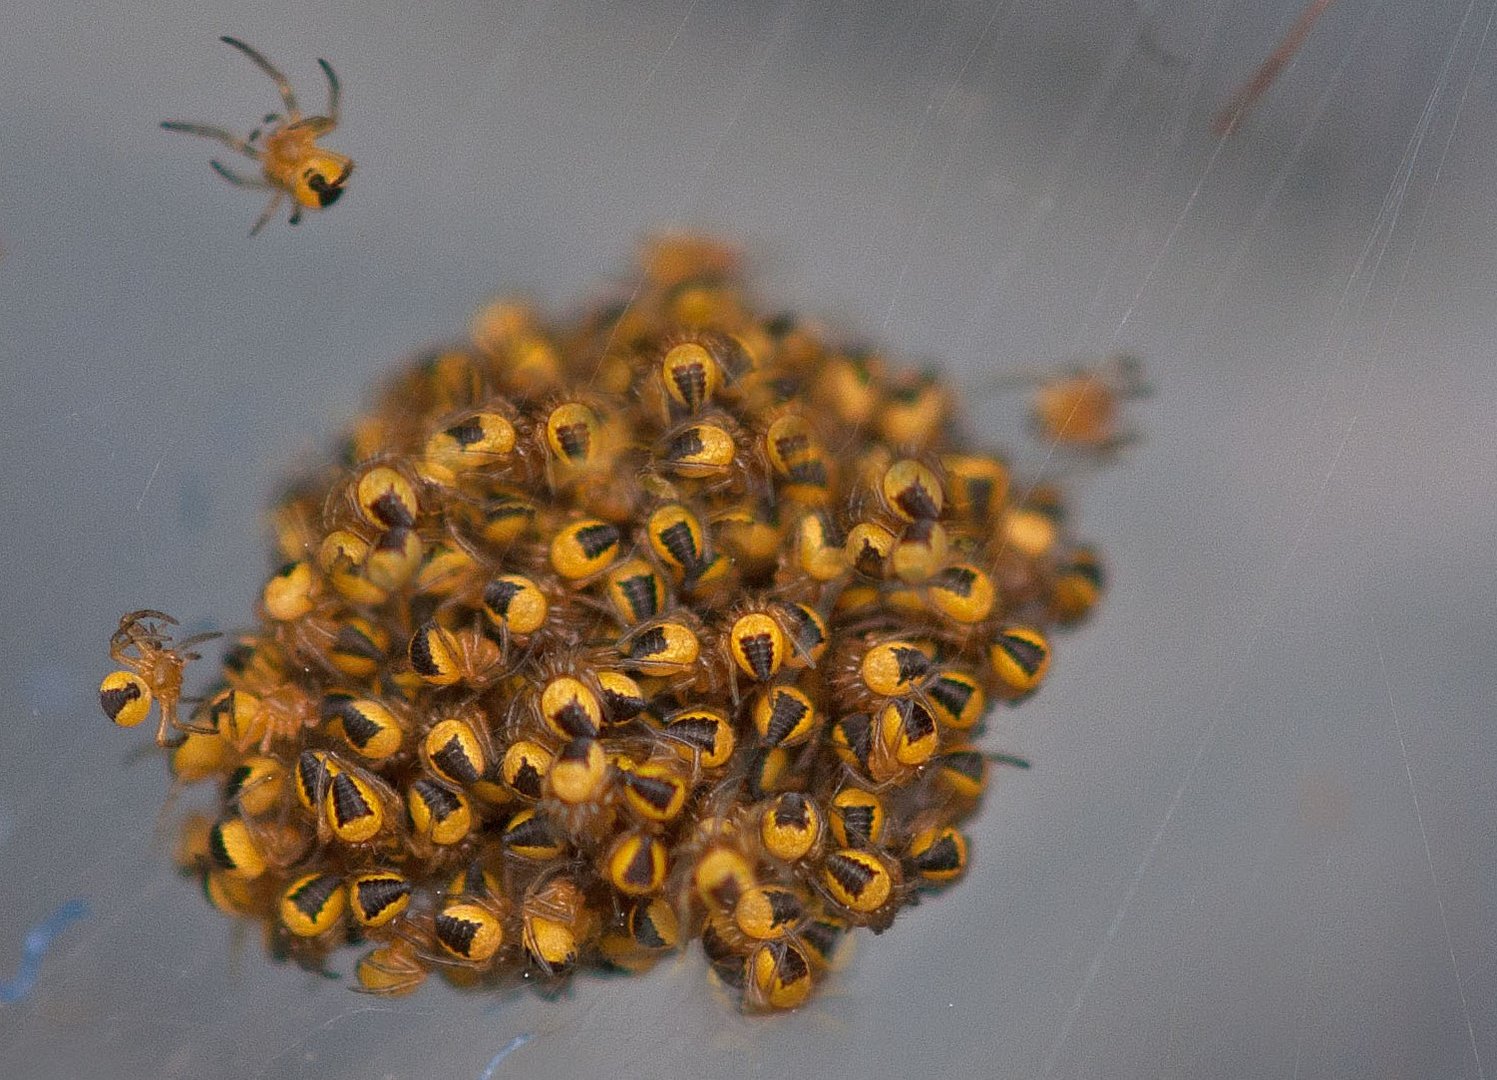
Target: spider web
(1257, 837)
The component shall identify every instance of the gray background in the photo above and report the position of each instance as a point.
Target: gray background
(1258, 840)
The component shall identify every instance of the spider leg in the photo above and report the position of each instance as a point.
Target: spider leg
(1007, 382)
(1225, 122)
(234, 142)
(317, 125)
(1008, 759)
(237, 180)
(168, 735)
(270, 69)
(198, 639)
(268, 212)
(147, 613)
(334, 93)
(296, 216)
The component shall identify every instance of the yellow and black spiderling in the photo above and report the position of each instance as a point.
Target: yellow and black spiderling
(453, 751)
(358, 647)
(963, 593)
(653, 925)
(820, 549)
(390, 970)
(678, 540)
(153, 674)
(857, 817)
(798, 460)
(482, 439)
(570, 709)
(1082, 410)
(200, 756)
(438, 813)
(125, 697)
(515, 603)
(785, 716)
(234, 849)
(956, 698)
(525, 767)
(443, 657)
(790, 827)
(757, 645)
(669, 621)
(666, 647)
(1079, 584)
(912, 491)
(963, 773)
(378, 897)
(572, 431)
(555, 921)
(703, 737)
(869, 549)
(636, 864)
(894, 668)
(579, 775)
(469, 931)
(766, 770)
(255, 785)
(722, 873)
(623, 698)
(313, 904)
(291, 163)
(807, 632)
(367, 725)
(905, 737)
(534, 837)
(778, 976)
(385, 498)
(352, 807)
(697, 451)
(311, 775)
(690, 375)
(636, 590)
(768, 911)
(584, 548)
(655, 790)
(1021, 658)
(938, 855)
(862, 883)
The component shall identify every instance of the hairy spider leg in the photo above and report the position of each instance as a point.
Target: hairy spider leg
(234, 142)
(1226, 121)
(237, 180)
(334, 92)
(280, 80)
(269, 211)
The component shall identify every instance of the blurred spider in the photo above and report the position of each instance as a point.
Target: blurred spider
(1081, 410)
(291, 162)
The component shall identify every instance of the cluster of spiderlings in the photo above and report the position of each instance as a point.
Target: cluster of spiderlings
(671, 621)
